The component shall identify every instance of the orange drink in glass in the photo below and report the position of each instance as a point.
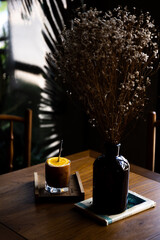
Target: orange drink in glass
(57, 174)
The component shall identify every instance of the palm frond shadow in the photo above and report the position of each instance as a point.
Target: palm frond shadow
(52, 105)
(53, 97)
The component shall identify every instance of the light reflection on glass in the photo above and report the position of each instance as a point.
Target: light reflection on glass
(3, 18)
(54, 144)
(53, 136)
(30, 78)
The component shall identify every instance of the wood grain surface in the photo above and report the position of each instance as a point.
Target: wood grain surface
(56, 221)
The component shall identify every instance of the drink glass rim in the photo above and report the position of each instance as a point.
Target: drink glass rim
(58, 165)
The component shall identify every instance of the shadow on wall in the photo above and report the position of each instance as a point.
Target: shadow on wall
(54, 115)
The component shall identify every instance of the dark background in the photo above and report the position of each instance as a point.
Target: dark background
(65, 117)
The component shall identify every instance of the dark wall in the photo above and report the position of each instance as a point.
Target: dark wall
(70, 122)
(150, 6)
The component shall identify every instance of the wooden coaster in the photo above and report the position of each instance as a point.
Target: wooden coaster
(75, 193)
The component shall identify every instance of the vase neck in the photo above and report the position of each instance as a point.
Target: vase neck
(112, 149)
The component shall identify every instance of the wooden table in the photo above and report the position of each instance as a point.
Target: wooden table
(21, 218)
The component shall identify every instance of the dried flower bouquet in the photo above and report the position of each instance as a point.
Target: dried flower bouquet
(106, 60)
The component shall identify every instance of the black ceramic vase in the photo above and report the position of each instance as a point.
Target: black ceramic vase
(110, 181)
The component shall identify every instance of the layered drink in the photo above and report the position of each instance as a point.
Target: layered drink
(57, 174)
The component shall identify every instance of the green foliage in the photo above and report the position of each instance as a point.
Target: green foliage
(3, 6)
(3, 65)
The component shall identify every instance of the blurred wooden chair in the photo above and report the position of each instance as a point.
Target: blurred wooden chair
(153, 123)
(27, 121)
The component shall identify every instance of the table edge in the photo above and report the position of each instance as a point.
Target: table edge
(134, 168)
(94, 154)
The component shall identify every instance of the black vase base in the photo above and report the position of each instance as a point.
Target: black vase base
(108, 211)
(110, 183)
